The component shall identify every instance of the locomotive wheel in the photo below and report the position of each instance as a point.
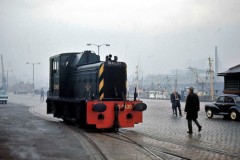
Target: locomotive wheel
(66, 121)
(69, 121)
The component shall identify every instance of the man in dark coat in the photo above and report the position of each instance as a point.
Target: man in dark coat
(192, 107)
(175, 100)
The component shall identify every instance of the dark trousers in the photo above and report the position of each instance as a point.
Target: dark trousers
(175, 108)
(190, 124)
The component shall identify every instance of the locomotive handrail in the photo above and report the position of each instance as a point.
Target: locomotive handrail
(124, 102)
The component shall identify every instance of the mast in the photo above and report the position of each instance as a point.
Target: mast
(137, 79)
(4, 85)
(176, 81)
(168, 85)
(216, 64)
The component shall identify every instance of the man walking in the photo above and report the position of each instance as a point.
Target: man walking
(192, 107)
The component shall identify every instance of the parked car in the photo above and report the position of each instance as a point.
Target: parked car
(3, 97)
(227, 105)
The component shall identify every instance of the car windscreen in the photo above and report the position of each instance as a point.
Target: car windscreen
(237, 99)
(2, 92)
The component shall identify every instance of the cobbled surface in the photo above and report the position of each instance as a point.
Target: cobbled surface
(218, 134)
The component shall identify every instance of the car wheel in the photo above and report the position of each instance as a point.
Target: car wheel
(209, 113)
(233, 115)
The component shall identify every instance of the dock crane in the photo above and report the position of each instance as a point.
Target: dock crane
(199, 80)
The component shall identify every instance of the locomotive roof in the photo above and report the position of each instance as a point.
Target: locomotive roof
(66, 53)
(86, 58)
(82, 58)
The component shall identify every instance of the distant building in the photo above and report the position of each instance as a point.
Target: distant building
(231, 80)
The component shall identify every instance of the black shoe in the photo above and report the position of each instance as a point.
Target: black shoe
(190, 132)
(199, 128)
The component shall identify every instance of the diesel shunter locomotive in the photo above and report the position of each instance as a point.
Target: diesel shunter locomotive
(91, 92)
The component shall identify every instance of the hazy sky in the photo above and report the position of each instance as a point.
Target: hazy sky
(161, 35)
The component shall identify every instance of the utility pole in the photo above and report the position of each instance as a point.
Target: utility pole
(33, 74)
(89, 44)
(211, 74)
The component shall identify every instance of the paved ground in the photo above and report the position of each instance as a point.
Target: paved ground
(217, 134)
(219, 138)
(24, 136)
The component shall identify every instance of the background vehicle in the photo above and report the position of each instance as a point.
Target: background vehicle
(3, 87)
(3, 97)
(91, 92)
(227, 105)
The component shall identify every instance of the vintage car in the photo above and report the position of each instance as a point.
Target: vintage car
(227, 105)
(3, 96)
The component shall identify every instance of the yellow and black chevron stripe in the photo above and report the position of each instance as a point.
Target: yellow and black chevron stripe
(101, 82)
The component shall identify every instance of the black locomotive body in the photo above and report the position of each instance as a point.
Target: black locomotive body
(84, 89)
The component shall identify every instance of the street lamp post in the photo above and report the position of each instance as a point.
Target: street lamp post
(89, 44)
(7, 77)
(33, 74)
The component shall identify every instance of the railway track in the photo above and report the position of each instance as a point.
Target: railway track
(92, 141)
(125, 146)
(179, 148)
(155, 154)
(146, 145)
(91, 148)
(148, 149)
